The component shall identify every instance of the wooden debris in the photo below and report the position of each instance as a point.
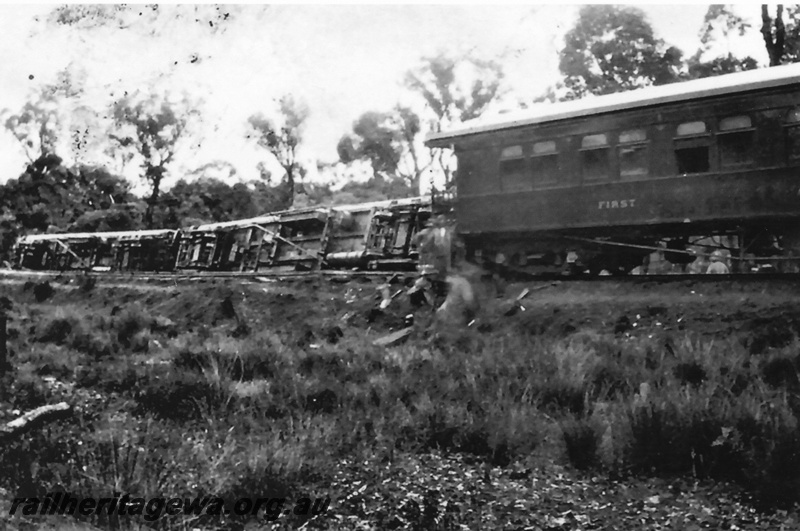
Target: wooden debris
(394, 338)
(515, 305)
(34, 419)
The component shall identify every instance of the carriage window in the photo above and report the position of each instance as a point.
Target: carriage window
(512, 160)
(793, 143)
(544, 163)
(691, 128)
(512, 169)
(633, 135)
(735, 139)
(692, 159)
(544, 148)
(733, 123)
(793, 135)
(632, 153)
(692, 148)
(594, 157)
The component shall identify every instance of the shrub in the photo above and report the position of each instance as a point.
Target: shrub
(98, 344)
(181, 395)
(781, 372)
(691, 373)
(129, 323)
(43, 291)
(56, 331)
(581, 440)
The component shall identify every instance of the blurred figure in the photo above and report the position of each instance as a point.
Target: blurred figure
(718, 265)
(434, 243)
(700, 264)
(642, 269)
(461, 304)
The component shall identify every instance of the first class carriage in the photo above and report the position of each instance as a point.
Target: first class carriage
(613, 178)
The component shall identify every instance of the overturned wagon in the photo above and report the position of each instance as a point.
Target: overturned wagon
(144, 250)
(370, 235)
(378, 235)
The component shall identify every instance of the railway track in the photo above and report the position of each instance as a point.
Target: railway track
(195, 276)
(15, 276)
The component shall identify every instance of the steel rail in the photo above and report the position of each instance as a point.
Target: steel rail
(143, 277)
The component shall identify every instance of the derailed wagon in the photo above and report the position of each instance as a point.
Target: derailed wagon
(145, 250)
(364, 236)
(378, 235)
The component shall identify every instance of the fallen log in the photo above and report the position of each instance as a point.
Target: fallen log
(34, 419)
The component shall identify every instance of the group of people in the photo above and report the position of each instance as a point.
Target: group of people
(715, 263)
(437, 246)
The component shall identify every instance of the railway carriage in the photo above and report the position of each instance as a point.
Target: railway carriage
(614, 177)
(146, 250)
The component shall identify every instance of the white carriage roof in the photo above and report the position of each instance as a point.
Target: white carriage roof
(761, 78)
(260, 220)
(31, 238)
(421, 200)
(276, 217)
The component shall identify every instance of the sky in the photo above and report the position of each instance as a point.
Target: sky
(342, 60)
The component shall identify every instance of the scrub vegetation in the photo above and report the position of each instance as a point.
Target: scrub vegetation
(673, 393)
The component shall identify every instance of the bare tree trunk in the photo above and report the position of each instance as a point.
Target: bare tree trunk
(445, 169)
(289, 186)
(3, 347)
(774, 44)
(153, 201)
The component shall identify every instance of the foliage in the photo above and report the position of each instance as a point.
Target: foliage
(55, 120)
(714, 56)
(212, 200)
(612, 49)
(119, 217)
(36, 125)
(454, 89)
(49, 194)
(791, 47)
(377, 188)
(388, 141)
(150, 129)
(282, 140)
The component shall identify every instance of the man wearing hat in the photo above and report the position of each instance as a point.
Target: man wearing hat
(717, 265)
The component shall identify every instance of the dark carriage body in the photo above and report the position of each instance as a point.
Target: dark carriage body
(143, 250)
(368, 235)
(713, 156)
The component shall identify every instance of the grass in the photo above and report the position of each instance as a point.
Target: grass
(196, 407)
